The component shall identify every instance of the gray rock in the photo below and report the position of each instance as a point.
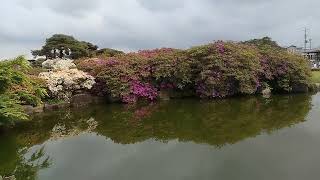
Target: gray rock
(300, 88)
(98, 100)
(28, 109)
(51, 107)
(31, 110)
(111, 99)
(10, 178)
(79, 100)
(266, 93)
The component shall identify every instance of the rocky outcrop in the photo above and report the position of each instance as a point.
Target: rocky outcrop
(8, 178)
(31, 110)
(266, 93)
(78, 100)
(85, 99)
(57, 106)
(300, 88)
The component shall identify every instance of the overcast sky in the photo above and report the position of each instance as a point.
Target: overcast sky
(144, 24)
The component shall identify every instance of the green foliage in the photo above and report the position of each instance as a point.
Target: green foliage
(265, 42)
(225, 68)
(316, 76)
(10, 110)
(215, 70)
(60, 45)
(38, 63)
(12, 72)
(18, 87)
(282, 70)
(29, 99)
(107, 52)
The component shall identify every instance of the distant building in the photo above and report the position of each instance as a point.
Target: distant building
(313, 55)
(295, 49)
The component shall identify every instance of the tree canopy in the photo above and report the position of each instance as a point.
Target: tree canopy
(108, 52)
(60, 45)
(263, 42)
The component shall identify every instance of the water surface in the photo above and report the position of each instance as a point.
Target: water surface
(245, 138)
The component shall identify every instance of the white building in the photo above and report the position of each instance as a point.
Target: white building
(313, 55)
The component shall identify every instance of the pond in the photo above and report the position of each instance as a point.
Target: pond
(237, 138)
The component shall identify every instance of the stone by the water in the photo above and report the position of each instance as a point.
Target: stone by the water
(8, 178)
(266, 93)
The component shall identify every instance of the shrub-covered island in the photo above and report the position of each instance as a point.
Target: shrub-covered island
(217, 70)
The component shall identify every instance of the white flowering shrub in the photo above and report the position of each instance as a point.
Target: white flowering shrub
(62, 84)
(59, 64)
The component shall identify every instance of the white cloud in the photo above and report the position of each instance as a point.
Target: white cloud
(141, 24)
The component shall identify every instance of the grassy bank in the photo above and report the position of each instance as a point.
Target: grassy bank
(316, 76)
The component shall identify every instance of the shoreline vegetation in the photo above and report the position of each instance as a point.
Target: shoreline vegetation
(76, 71)
(316, 76)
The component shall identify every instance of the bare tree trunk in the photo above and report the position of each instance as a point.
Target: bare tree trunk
(61, 53)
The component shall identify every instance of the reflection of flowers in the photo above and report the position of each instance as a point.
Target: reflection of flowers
(139, 89)
(144, 112)
(61, 131)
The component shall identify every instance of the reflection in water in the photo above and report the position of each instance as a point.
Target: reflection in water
(60, 130)
(215, 123)
(28, 163)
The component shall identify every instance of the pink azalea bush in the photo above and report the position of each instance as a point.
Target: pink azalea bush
(216, 70)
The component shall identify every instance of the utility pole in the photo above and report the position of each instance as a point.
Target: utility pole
(305, 39)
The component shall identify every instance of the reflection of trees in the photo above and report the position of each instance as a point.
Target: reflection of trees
(61, 130)
(216, 123)
(212, 122)
(50, 125)
(26, 167)
(44, 127)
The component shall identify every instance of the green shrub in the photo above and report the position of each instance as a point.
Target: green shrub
(216, 70)
(316, 76)
(225, 68)
(10, 110)
(281, 69)
(18, 87)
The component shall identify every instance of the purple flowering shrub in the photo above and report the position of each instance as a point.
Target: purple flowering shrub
(225, 69)
(216, 70)
(170, 68)
(140, 90)
(280, 69)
